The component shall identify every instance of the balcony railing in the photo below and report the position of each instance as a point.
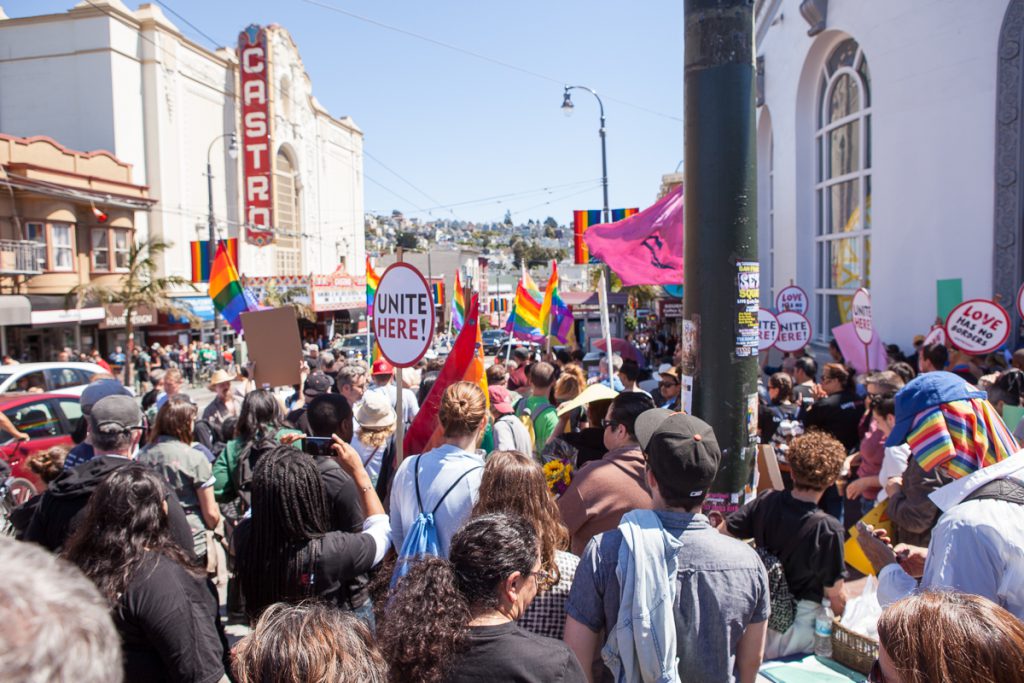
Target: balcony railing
(22, 257)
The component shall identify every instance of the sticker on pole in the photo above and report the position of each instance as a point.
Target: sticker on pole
(403, 315)
(978, 326)
(794, 331)
(860, 313)
(792, 298)
(768, 329)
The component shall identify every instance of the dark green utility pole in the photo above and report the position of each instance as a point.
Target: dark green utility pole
(722, 273)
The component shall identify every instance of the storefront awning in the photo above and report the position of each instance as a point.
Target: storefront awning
(15, 309)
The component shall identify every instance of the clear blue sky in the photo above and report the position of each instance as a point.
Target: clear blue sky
(461, 129)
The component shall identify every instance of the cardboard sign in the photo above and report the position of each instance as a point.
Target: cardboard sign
(794, 331)
(403, 315)
(978, 326)
(860, 313)
(792, 298)
(768, 329)
(937, 335)
(272, 338)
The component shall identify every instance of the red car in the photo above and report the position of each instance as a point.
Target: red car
(49, 420)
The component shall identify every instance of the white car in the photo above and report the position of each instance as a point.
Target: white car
(67, 378)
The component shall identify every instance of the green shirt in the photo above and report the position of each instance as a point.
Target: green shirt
(544, 420)
(226, 464)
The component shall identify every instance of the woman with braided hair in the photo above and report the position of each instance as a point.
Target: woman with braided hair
(287, 552)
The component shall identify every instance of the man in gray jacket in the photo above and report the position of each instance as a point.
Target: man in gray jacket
(510, 434)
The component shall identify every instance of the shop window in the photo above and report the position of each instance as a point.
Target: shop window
(57, 242)
(843, 188)
(110, 246)
(36, 232)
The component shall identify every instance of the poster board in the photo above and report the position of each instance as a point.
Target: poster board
(272, 338)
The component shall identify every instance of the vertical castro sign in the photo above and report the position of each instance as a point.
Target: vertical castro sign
(403, 315)
(254, 82)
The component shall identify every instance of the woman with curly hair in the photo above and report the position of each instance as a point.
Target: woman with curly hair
(513, 482)
(937, 636)
(308, 642)
(163, 608)
(806, 540)
(455, 620)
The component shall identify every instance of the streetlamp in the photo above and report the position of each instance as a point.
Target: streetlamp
(212, 224)
(567, 108)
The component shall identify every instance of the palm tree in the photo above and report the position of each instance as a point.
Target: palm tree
(139, 287)
(276, 296)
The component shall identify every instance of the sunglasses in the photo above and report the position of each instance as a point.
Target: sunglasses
(608, 423)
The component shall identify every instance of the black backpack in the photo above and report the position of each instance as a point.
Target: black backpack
(250, 454)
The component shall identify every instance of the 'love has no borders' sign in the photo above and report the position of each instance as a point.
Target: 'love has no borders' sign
(978, 326)
(403, 315)
(768, 329)
(792, 298)
(794, 331)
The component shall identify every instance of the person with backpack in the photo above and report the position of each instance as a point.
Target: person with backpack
(509, 432)
(792, 534)
(260, 427)
(433, 493)
(535, 410)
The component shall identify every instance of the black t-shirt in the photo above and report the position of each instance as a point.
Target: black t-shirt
(346, 513)
(510, 654)
(298, 419)
(837, 414)
(816, 563)
(168, 622)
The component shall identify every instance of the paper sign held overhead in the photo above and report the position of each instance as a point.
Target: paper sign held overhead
(860, 313)
(768, 329)
(792, 298)
(403, 315)
(272, 340)
(978, 326)
(794, 332)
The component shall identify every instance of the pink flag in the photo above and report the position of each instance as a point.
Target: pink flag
(645, 248)
(853, 352)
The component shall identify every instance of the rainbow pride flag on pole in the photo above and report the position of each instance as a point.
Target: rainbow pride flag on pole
(555, 315)
(372, 280)
(525, 321)
(229, 297)
(458, 305)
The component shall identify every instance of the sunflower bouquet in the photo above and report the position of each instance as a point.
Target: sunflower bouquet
(558, 474)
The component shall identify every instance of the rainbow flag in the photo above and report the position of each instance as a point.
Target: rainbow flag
(619, 214)
(437, 291)
(525, 322)
(554, 314)
(229, 297)
(465, 363)
(458, 304)
(372, 280)
(581, 220)
(200, 252)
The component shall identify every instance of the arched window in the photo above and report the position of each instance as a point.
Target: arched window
(288, 240)
(843, 233)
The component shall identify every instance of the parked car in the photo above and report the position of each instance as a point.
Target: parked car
(67, 378)
(493, 339)
(354, 345)
(49, 420)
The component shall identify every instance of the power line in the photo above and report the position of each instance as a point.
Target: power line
(213, 41)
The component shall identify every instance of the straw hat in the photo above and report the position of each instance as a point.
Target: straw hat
(595, 392)
(375, 411)
(218, 377)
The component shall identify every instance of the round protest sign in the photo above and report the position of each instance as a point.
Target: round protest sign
(768, 329)
(403, 315)
(978, 326)
(1020, 301)
(794, 331)
(860, 313)
(937, 335)
(791, 298)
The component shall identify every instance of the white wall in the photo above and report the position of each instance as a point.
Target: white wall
(933, 70)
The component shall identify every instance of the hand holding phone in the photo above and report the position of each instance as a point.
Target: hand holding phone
(317, 445)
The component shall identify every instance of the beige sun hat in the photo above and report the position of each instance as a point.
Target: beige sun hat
(220, 376)
(595, 392)
(375, 411)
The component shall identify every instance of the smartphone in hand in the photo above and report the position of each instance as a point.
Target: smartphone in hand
(317, 445)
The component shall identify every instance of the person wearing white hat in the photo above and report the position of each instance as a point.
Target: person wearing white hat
(225, 404)
(374, 432)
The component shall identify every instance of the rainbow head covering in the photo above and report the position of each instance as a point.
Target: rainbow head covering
(948, 423)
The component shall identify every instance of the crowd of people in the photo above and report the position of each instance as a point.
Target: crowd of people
(553, 532)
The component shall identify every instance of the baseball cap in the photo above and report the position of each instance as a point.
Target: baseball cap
(115, 414)
(500, 399)
(100, 390)
(381, 366)
(317, 383)
(927, 391)
(682, 452)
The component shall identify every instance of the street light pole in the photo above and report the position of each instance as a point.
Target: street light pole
(567, 107)
(212, 225)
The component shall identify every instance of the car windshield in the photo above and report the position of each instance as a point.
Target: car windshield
(359, 340)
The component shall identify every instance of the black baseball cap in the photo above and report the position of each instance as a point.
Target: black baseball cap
(681, 450)
(317, 383)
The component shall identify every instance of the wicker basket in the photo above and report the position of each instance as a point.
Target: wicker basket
(852, 649)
